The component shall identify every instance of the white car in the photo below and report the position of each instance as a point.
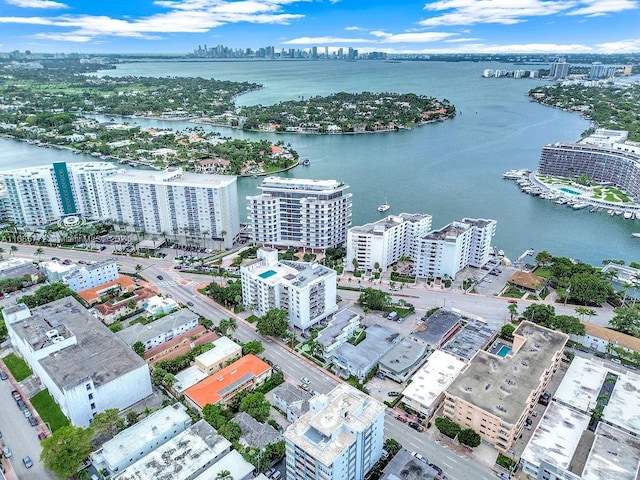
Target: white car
(6, 452)
(304, 380)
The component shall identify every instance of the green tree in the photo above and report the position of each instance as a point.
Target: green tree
(231, 431)
(374, 299)
(224, 475)
(214, 415)
(253, 346)
(256, 405)
(626, 320)
(39, 252)
(589, 289)
(138, 269)
(13, 249)
(138, 347)
(49, 293)
(469, 437)
(544, 258)
(513, 310)
(132, 304)
(447, 427)
(506, 332)
(566, 323)
(65, 451)
(227, 324)
(105, 425)
(273, 324)
(539, 313)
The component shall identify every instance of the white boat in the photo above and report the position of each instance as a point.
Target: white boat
(579, 206)
(628, 215)
(384, 207)
(637, 235)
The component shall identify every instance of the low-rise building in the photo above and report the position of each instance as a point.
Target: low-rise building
(160, 305)
(403, 461)
(425, 393)
(180, 345)
(307, 291)
(402, 360)
(185, 457)
(224, 352)
(293, 401)
(235, 466)
(91, 275)
(112, 310)
(22, 268)
(55, 271)
(339, 329)
(527, 281)
(120, 285)
(140, 439)
(359, 360)
(339, 438)
(435, 330)
(603, 339)
(221, 387)
(495, 394)
(86, 368)
(161, 331)
(471, 338)
(255, 433)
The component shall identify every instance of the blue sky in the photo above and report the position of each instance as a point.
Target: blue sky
(393, 26)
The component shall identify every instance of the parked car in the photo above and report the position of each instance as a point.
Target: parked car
(21, 404)
(27, 461)
(3, 375)
(33, 421)
(436, 468)
(190, 303)
(416, 426)
(67, 261)
(42, 436)
(16, 395)
(160, 277)
(27, 413)
(393, 394)
(6, 452)
(304, 386)
(419, 457)
(304, 380)
(392, 315)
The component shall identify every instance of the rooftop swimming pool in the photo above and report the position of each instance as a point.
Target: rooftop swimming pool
(504, 351)
(267, 274)
(569, 191)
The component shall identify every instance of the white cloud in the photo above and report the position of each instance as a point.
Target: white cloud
(461, 40)
(324, 40)
(413, 37)
(623, 46)
(595, 8)
(37, 4)
(353, 28)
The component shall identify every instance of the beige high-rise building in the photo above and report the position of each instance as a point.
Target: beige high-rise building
(496, 392)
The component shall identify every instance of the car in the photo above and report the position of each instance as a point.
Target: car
(27, 413)
(3, 375)
(6, 451)
(394, 289)
(190, 303)
(304, 380)
(416, 426)
(82, 262)
(503, 475)
(393, 394)
(55, 259)
(33, 421)
(436, 468)
(28, 463)
(419, 457)
(276, 368)
(103, 248)
(67, 261)
(304, 386)
(21, 404)
(16, 395)
(401, 418)
(513, 301)
(42, 436)
(268, 362)
(277, 475)
(160, 277)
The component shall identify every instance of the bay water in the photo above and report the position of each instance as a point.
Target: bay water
(449, 170)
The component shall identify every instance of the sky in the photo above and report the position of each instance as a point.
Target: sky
(392, 26)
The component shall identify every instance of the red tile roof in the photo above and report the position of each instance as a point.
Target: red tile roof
(92, 295)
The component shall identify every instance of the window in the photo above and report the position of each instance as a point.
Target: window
(93, 406)
(91, 396)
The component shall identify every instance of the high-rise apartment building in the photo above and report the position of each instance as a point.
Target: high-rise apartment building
(293, 212)
(307, 291)
(42, 195)
(204, 207)
(385, 241)
(450, 249)
(559, 69)
(339, 438)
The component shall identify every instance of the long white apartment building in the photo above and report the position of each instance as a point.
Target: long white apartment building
(454, 247)
(192, 205)
(294, 212)
(91, 275)
(307, 291)
(385, 241)
(86, 368)
(42, 195)
(339, 438)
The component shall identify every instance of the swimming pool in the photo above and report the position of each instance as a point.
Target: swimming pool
(267, 274)
(569, 191)
(504, 351)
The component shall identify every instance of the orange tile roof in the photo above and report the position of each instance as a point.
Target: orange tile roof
(93, 294)
(107, 308)
(214, 388)
(612, 336)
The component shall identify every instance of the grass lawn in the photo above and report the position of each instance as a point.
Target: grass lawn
(49, 410)
(18, 367)
(543, 272)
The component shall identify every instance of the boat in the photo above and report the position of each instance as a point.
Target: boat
(579, 206)
(384, 207)
(637, 235)
(305, 162)
(628, 215)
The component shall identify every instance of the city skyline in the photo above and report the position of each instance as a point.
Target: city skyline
(442, 26)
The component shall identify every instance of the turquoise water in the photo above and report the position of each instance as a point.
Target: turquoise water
(267, 274)
(569, 191)
(449, 170)
(504, 351)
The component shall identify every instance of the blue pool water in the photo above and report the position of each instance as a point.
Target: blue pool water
(267, 274)
(504, 351)
(569, 191)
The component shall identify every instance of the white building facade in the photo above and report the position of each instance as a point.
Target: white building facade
(293, 212)
(42, 195)
(385, 241)
(198, 206)
(446, 251)
(339, 438)
(92, 275)
(307, 291)
(86, 368)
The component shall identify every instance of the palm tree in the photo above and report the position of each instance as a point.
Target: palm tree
(513, 310)
(224, 475)
(13, 249)
(138, 268)
(1, 252)
(39, 252)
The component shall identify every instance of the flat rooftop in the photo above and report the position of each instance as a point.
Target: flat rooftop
(469, 339)
(615, 454)
(155, 426)
(233, 462)
(389, 222)
(434, 328)
(298, 274)
(172, 176)
(379, 340)
(98, 353)
(581, 384)
(323, 432)
(143, 333)
(449, 232)
(335, 327)
(188, 378)
(222, 348)
(299, 184)
(502, 386)
(557, 436)
(433, 378)
(404, 466)
(181, 457)
(623, 409)
(403, 356)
